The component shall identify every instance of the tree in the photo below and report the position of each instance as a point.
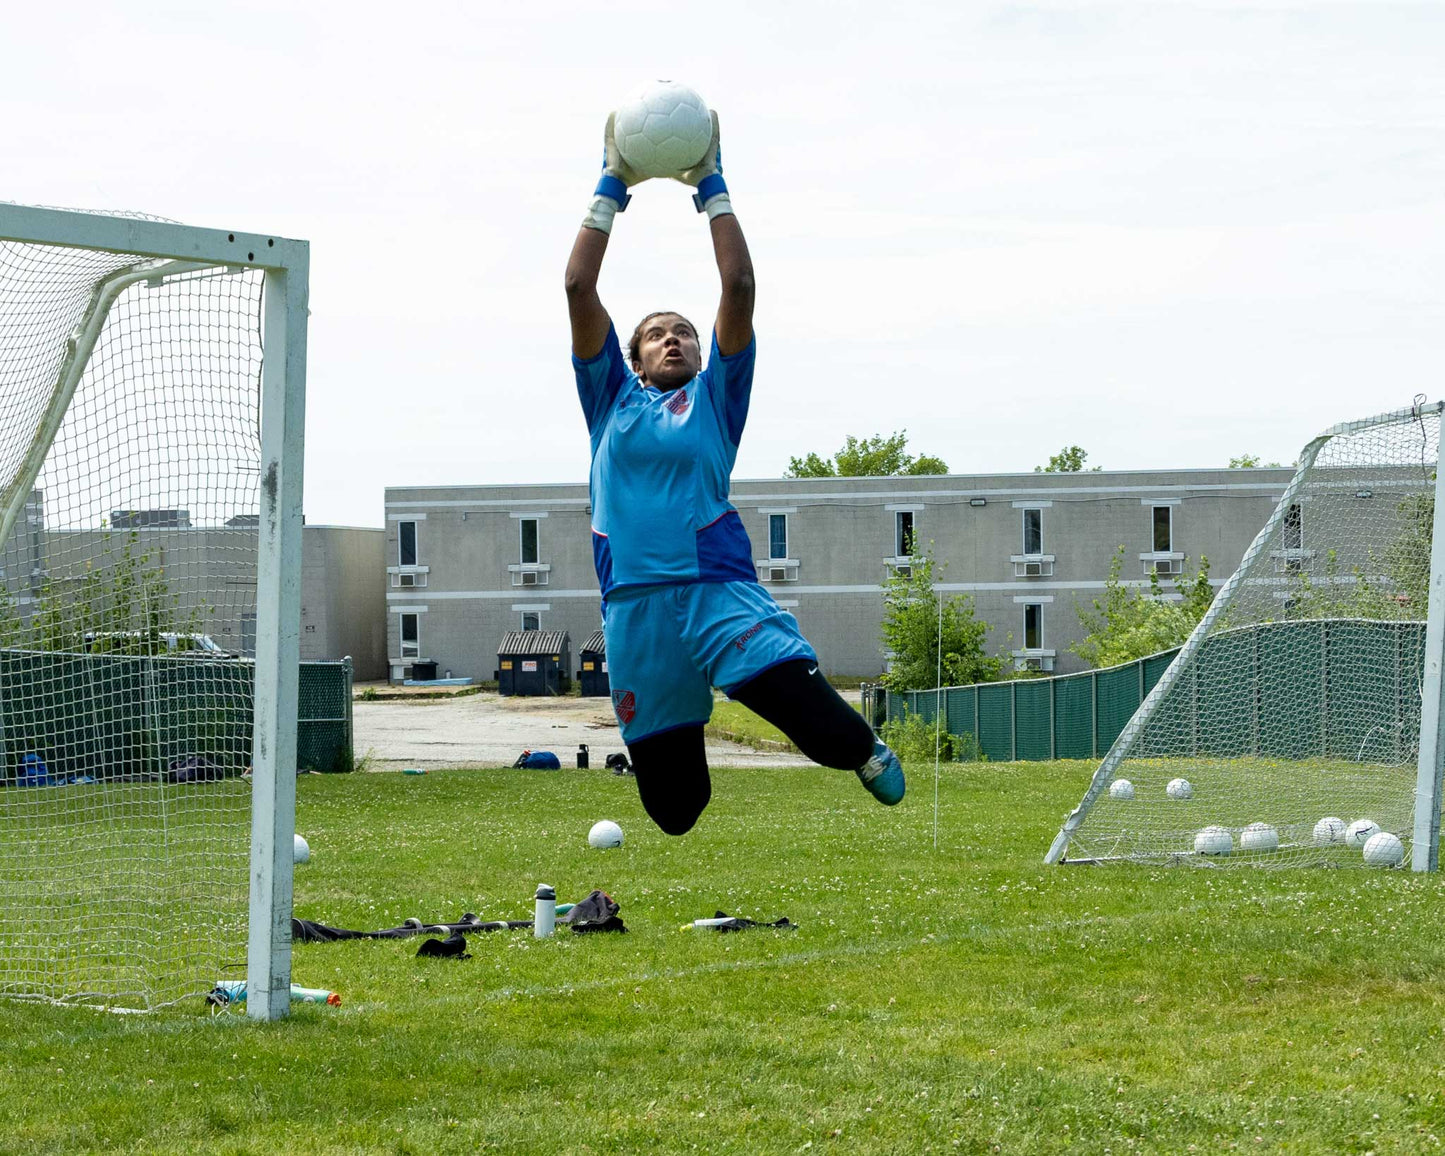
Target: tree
(911, 633)
(1069, 460)
(1250, 462)
(1127, 623)
(867, 457)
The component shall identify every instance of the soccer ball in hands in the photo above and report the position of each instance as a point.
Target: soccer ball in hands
(605, 833)
(1179, 789)
(662, 129)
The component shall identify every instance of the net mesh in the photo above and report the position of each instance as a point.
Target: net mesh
(1293, 713)
(127, 615)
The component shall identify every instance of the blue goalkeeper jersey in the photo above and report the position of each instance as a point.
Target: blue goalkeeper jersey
(661, 463)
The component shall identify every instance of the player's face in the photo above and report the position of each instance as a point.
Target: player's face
(668, 352)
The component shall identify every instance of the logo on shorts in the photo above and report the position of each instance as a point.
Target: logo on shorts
(625, 705)
(742, 639)
(677, 403)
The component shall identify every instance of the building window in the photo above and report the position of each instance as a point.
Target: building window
(406, 543)
(903, 539)
(1163, 529)
(1033, 531)
(529, 539)
(1033, 626)
(410, 640)
(777, 535)
(1293, 530)
(531, 620)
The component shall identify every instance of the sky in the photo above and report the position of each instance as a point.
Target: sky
(1171, 233)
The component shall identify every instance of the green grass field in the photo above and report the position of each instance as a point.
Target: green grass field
(959, 999)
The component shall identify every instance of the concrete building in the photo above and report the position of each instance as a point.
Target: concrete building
(466, 564)
(207, 575)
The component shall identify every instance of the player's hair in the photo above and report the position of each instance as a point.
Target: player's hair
(634, 347)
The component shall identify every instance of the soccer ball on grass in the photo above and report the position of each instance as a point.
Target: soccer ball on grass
(1213, 841)
(1259, 837)
(1358, 833)
(1383, 849)
(1179, 789)
(605, 833)
(662, 129)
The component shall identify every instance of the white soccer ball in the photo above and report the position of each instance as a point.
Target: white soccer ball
(662, 128)
(1259, 837)
(1179, 789)
(1121, 789)
(1213, 841)
(1329, 830)
(1383, 849)
(300, 850)
(1359, 832)
(605, 833)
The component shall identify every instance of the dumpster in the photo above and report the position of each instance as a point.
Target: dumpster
(593, 672)
(534, 662)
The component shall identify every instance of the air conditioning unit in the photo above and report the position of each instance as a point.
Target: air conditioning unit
(1033, 664)
(1033, 569)
(1167, 566)
(903, 571)
(407, 580)
(529, 578)
(777, 574)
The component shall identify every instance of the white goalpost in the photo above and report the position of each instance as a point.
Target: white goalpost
(1304, 713)
(152, 399)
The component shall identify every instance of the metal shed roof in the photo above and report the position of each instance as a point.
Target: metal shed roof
(531, 642)
(597, 643)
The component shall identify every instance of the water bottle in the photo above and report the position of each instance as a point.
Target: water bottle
(545, 918)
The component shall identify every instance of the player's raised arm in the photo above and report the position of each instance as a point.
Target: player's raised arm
(589, 319)
(734, 324)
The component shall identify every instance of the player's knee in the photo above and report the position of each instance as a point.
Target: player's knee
(672, 778)
(674, 820)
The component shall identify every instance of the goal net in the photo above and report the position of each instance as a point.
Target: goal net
(130, 517)
(1287, 730)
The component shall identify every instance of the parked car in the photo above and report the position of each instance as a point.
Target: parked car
(166, 642)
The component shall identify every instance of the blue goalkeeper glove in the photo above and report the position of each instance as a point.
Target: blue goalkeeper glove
(611, 195)
(706, 177)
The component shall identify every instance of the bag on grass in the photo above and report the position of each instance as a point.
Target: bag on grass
(538, 761)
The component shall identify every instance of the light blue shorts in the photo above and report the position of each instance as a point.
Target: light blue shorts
(668, 646)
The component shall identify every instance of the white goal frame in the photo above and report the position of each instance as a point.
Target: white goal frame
(1425, 852)
(286, 265)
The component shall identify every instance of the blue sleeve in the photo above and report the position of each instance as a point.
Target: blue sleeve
(599, 379)
(730, 386)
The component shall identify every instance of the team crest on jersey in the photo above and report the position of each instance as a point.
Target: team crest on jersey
(625, 705)
(677, 403)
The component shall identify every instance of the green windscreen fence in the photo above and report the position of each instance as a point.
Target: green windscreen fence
(1278, 689)
(151, 717)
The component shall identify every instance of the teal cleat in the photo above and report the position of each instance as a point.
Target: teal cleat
(883, 775)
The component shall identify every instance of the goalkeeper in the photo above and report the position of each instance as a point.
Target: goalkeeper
(682, 608)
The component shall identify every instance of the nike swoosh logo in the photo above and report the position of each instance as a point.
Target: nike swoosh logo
(813, 671)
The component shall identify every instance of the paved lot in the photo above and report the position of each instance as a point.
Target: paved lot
(485, 730)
